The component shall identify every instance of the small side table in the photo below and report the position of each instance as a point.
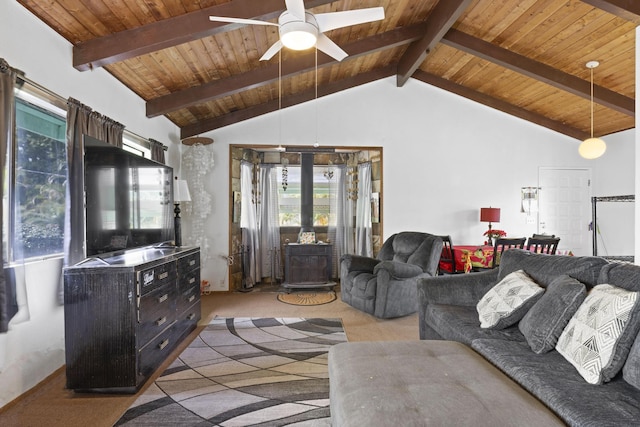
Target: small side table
(307, 265)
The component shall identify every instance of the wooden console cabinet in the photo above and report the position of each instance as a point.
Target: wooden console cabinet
(124, 315)
(307, 265)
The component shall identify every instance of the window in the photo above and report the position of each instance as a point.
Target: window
(40, 179)
(289, 199)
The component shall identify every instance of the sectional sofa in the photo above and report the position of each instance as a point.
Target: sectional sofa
(591, 381)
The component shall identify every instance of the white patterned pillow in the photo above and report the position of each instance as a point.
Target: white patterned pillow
(599, 335)
(508, 301)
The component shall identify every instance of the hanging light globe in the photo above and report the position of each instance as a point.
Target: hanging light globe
(592, 148)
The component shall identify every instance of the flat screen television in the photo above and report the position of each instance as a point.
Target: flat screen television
(128, 200)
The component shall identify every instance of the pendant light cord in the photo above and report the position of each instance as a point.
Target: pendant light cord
(591, 101)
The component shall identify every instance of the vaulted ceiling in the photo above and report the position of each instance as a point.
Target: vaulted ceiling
(523, 57)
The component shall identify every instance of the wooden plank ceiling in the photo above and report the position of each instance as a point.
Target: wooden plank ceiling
(524, 57)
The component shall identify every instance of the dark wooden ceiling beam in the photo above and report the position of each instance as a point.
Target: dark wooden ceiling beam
(288, 101)
(265, 75)
(625, 9)
(539, 71)
(443, 16)
(500, 105)
(170, 32)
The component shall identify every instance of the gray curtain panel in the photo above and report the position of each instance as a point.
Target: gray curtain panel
(81, 120)
(8, 303)
(157, 151)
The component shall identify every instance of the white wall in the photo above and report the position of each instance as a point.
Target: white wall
(444, 158)
(33, 349)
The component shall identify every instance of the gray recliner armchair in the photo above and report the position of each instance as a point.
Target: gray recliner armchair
(386, 286)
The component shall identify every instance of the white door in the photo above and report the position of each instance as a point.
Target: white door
(565, 207)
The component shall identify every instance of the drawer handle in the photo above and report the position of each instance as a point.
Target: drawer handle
(161, 321)
(191, 316)
(163, 275)
(191, 298)
(192, 280)
(163, 344)
(163, 298)
(192, 262)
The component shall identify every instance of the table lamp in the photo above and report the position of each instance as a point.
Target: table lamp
(180, 194)
(489, 215)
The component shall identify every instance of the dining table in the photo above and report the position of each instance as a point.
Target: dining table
(470, 257)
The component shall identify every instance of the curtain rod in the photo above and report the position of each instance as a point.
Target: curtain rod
(63, 103)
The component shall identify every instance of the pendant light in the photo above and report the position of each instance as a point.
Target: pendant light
(592, 148)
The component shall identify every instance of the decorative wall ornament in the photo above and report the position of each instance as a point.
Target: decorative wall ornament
(255, 180)
(328, 172)
(285, 174)
(197, 161)
(352, 175)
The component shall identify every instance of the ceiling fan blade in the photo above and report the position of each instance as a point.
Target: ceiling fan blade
(239, 20)
(296, 8)
(326, 45)
(332, 20)
(271, 51)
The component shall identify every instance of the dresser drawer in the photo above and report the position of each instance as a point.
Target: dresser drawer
(308, 249)
(157, 276)
(152, 354)
(189, 280)
(188, 263)
(187, 298)
(157, 310)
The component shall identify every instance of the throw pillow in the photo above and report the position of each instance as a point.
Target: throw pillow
(545, 321)
(509, 300)
(598, 337)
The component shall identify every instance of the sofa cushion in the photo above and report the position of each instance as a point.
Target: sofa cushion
(631, 368)
(544, 268)
(458, 323)
(551, 379)
(508, 301)
(599, 336)
(545, 321)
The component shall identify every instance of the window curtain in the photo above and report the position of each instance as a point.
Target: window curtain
(81, 120)
(364, 239)
(252, 267)
(8, 301)
(342, 234)
(157, 151)
(269, 223)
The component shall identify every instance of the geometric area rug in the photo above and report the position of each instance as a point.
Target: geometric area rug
(245, 372)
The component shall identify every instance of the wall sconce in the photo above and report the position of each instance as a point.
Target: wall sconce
(529, 200)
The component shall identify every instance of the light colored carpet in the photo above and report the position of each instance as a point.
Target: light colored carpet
(243, 372)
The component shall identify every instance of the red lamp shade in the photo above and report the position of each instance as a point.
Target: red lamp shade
(490, 214)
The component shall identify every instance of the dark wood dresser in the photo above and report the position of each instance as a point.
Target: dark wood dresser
(307, 265)
(124, 315)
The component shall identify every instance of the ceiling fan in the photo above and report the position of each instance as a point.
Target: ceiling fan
(300, 29)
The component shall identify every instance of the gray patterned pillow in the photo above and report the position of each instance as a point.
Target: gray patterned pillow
(545, 321)
(598, 337)
(508, 301)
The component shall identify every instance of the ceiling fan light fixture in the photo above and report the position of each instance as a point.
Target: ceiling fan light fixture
(296, 33)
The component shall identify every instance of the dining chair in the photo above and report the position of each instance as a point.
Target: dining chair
(502, 244)
(546, 245)
(447, 264)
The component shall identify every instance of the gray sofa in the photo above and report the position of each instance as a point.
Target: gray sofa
(448, 312)
(386, 286)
